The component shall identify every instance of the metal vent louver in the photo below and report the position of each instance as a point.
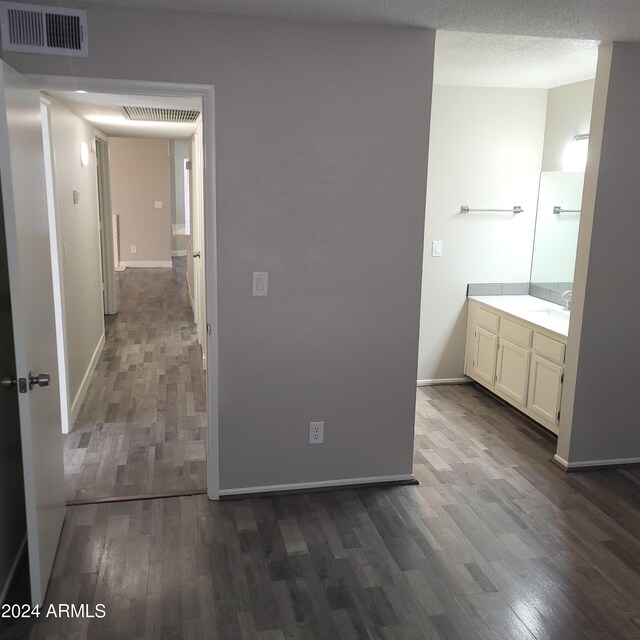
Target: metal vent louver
(159, 114)
(29, 28)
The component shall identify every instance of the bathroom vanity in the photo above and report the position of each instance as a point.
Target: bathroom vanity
(516, 348)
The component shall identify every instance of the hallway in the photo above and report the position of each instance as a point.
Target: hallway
(141, 429)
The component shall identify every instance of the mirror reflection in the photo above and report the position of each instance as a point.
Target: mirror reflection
(556, 234)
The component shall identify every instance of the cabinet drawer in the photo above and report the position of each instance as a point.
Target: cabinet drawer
(488, 320)
(516, 333)
(549, 348)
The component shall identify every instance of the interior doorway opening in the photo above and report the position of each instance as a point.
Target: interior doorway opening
(131, 265)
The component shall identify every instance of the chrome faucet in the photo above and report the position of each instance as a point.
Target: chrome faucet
(567, 297)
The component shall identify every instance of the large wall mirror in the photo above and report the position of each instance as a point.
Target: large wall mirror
(556, 235)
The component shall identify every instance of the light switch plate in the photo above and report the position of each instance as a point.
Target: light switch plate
(436, 249)
(76, 196)
(260, 283)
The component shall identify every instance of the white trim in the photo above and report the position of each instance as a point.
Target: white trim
(320, 484)
(179, 254)
(614, 462)
(12, 572)
(164, 264)
(436, 381)
(84, 385)
(105, 219)
(207, 93)
(101, 136)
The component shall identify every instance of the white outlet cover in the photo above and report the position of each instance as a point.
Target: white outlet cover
(316, 432)
(158, 204)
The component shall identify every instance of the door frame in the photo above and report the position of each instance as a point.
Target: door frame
(107, 261)
(207, 93)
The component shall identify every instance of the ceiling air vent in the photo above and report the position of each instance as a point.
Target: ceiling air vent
(159, 114)
(31, 28)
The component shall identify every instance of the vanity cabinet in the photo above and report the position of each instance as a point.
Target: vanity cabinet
(517, 360)
(512, 375)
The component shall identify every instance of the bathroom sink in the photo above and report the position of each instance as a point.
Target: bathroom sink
(553, 319)
(551, 314)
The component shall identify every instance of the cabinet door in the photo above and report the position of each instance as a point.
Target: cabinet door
(513, 371)
(545, 389)
(485, 348)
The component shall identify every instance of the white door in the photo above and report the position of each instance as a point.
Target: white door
(29, 259)
(198, 235)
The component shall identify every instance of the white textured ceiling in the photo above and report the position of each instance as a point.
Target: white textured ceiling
(605, 20)
(104, 112)
(478, 59)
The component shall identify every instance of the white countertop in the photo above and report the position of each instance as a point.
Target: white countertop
(542, 313)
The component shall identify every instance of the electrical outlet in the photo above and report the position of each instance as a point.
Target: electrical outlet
(316, 432)
(133, 248)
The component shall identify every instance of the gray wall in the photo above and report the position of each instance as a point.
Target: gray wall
(140, 177)
(322, 138)
(601, 424)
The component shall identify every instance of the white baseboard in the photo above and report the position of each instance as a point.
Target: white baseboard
(12, 572)
(84, 385)
(179, 253)
(435, 381)
(147, 263)
(302, 486)
(586, 464)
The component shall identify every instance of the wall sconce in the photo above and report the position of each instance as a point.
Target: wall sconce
(575, 153)
(84, 154)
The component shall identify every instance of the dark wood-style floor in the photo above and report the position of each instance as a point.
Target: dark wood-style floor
(495, 543)
(141, 429)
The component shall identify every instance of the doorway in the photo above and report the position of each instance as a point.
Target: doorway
(204, 293)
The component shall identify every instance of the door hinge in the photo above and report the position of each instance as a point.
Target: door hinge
(562, 378)
(208, 328)
(558, 415)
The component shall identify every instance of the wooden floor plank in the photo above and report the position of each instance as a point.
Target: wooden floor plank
(495, 543)
(142, 426)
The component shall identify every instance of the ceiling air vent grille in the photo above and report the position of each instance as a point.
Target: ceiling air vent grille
(29, 28)
(159, 114)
